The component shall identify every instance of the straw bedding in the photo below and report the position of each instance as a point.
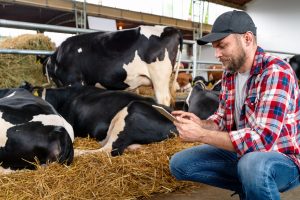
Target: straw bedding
(133, 175)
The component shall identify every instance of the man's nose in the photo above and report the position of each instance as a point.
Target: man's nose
(217, 53)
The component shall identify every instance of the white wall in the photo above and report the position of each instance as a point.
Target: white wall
(277, 22)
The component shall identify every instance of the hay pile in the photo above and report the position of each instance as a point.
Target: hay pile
(16, 68)
(130, 176)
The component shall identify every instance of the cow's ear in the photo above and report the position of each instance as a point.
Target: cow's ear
(26, 85)
(190, 78)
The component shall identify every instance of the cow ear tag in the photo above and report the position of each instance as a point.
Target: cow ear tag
(35, 93)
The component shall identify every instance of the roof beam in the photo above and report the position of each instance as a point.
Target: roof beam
(228, 3)
(115, 13)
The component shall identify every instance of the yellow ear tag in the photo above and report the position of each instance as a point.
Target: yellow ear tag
(209, 85)
(35, 93)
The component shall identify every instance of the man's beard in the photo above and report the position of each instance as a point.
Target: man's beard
(233, 64)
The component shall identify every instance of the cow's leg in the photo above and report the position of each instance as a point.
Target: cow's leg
(116, 126)
(6, 171)
(160, 74)
(134, 147)
(80, 152)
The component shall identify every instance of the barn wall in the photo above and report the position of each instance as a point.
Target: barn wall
(277, 24)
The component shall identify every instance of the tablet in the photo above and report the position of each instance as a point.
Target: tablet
(165, 113)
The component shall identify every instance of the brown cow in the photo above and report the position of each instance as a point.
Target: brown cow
(214, 76)
(184, 81)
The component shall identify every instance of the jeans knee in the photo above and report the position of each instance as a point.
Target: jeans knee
(177, 166)
(251, 169)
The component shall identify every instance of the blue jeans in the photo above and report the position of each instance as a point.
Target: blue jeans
(257, 175)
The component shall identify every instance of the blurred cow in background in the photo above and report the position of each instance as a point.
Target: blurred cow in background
(214, 76)
(295, 64)
(184, 81)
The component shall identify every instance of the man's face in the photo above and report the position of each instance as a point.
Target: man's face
(230, 52)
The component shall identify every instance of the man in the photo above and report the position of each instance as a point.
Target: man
(251, 144)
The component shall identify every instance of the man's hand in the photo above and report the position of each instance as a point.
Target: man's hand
(193, 129)
(187, 115)
(188, 126)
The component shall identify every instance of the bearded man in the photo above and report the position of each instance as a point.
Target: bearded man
(251, 143)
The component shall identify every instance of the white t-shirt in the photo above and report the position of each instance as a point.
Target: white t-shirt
(240, 94)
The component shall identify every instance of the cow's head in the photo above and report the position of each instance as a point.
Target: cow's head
(50, 70)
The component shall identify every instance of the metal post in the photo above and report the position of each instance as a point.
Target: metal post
(194, 74)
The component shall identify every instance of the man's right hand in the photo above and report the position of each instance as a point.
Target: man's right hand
(187, 115)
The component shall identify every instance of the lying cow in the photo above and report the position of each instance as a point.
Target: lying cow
(120, 60)
(115, 118)
(31, 130)
(203, 102)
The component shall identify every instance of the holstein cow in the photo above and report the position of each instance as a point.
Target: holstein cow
(119, 60)
(295, 64)
(115, 118)
(31, 130)
(203, 102)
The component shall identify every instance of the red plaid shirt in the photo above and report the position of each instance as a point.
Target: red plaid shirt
(270, 116)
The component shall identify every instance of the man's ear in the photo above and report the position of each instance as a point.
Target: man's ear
(248, 36)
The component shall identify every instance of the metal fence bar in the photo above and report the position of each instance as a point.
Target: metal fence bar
(42, 27)
(26, 52)
(63, 29)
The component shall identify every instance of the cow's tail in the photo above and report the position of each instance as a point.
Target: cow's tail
(176, 69)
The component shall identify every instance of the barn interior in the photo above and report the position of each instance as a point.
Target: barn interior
(151, 179)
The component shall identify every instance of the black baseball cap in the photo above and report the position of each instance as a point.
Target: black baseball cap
(227, 23)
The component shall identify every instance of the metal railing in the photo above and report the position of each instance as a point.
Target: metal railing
(61, 29)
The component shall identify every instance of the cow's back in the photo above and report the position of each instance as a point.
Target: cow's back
(92, 113)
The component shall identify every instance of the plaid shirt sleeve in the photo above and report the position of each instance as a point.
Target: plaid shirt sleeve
(270, 115)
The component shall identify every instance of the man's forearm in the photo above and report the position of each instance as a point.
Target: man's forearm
(209, 124)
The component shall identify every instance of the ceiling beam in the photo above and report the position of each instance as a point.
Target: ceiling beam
(116, 13)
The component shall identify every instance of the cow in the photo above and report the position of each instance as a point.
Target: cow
(203, 102)
(213, 75)
(295, 64)
(184, 81)
(119, 60)
(31, 130)
(135, 124)
(116, 119)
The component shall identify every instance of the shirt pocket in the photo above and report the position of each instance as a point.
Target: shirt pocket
(249, 110)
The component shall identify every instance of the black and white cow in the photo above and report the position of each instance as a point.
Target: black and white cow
(137, 123)
(115, 118)
(295, 64)
(31, 130)
(120, 60)
(203, 102)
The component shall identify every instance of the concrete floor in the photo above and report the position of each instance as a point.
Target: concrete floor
(213, 193)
